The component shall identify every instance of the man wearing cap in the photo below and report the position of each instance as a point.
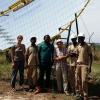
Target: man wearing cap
(84, 63)
(32, 63)
(72, 50)
(60, 56)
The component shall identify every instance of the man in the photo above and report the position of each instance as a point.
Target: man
(60, 56)
(32, 63)
(45, 53)
(84, 63)
(72, 50)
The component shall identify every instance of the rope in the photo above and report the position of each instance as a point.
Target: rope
(85, 26)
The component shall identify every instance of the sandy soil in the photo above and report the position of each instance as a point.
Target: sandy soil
(6, 94)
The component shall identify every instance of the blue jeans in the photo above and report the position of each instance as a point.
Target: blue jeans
(19, 67)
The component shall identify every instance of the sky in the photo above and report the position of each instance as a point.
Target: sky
(41, 17)
(91, 18)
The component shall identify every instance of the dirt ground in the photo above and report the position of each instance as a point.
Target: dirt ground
(6, 94)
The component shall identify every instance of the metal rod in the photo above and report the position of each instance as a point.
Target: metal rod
(63, 38)
(68, 35)
(90, 37)
(76, 24)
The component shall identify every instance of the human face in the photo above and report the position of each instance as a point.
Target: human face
(74, 40)
(47, 39)
(33, 41)
(81, 39)
(19, 39)
(60, 44)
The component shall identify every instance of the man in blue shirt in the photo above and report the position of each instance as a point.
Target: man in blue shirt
(45, 52)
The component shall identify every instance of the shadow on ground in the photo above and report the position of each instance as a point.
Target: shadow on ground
(94, 91)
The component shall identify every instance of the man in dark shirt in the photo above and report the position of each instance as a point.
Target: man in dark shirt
(45, 52)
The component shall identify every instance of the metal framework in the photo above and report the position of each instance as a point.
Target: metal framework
(22, 3)
(66, 26)
(16, 6)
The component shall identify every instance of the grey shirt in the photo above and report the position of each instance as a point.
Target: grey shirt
(18, 52)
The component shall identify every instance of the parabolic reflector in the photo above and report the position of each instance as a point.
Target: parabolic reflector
(38, 18)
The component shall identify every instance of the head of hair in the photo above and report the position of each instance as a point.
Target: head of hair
(33, 38)
(46, 36)
(20, 36)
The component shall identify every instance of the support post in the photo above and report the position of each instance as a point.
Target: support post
(68, 35)
(76, 24)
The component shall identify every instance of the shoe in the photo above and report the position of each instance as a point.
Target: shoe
(32, 87)
(21, 87)
(85, 97)
(48, 90)
(66, 92)
(13, 90)
(38, 90)
(72, 94)
(30, 90)
(79, 97)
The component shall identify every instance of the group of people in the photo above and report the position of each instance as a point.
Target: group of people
(72, 64)
(80, 65)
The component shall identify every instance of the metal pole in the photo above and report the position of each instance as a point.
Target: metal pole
(90, 37)
(68, 35)
(76, 24)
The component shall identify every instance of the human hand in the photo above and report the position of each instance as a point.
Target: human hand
(14, 65)
(26, 66)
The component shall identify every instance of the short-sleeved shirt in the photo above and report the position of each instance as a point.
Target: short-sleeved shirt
(83, 54)
(72, 59)
(45, 52)
(59, 53)
(18, 52)
(32, 53)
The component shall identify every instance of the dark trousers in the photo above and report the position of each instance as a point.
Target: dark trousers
(19, 66)
(44, 69)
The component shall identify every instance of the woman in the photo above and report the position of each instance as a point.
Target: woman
(18, 60)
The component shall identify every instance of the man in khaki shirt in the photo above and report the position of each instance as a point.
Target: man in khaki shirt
(84, 63)
(72, 50)
(32, 63)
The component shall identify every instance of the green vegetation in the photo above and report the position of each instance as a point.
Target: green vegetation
(96, 71)
(96, 52)
(5, 67)
(5, 71)
(96, 64)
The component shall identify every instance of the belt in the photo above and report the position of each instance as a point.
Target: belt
(80, 63)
